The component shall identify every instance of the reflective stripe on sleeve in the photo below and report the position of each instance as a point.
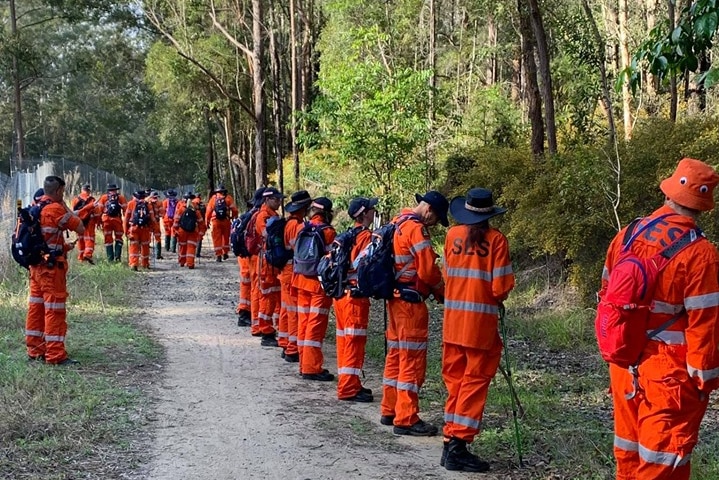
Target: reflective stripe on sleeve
(501, 271)
(624, 444)
(418, 247)
(703, 375)
(702, 301)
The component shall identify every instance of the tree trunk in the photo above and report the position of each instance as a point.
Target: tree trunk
(19, 146)
(651, 8)
(210, 152)
(545, 73)
(624, 53)
(294, 97)
(276, 102)
(258, 81)
(491, 67)
(432, 57)
(674, 97)
(531, 88)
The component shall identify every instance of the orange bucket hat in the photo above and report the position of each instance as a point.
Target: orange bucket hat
(692, 185)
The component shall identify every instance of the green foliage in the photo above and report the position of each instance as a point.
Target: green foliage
(683, 49)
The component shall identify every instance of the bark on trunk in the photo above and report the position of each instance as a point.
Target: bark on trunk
(545, 73)
(624, 53)
(276, 103)
(294, 97)
(531, 88)
(673, 96)
(257, 94)
(19, 146)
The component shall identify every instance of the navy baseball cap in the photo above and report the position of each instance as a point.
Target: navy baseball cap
(360, 205)
(438, 202)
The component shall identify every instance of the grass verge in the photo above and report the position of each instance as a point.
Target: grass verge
(81, 421)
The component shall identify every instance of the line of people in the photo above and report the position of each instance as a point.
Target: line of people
(290, 310)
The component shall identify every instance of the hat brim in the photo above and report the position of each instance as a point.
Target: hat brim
(467, 217)
(293, 207)
(442, 218)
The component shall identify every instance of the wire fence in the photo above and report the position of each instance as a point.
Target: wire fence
(22, 184)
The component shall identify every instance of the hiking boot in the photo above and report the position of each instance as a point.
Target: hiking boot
(225, 256)
(167, 243)
(218, 258)
(134, 268)
(419, 429)
(366, 390)
(173, 244)
(38, 358)
(66, 363)
(118, 251)
(282, 355)
(443, 458)
(460, 459)
(361, 397)
(88, 260)
(110, 253)
(269, 340)
(387, 420)
(243, 319)
(292, 357)
(158, 251)
(323, 376)
(191, 267)
(256, 334)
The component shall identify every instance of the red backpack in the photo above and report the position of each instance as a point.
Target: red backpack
(623, 310)
(253, 240)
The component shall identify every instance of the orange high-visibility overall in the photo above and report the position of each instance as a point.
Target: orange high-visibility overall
(138, 236)
(313, 308)
(352, 317)
(187, 241)
(407, 332)
(287, 328)
(478, 277)
(157, 210)
(86, 242)
(269, 284)
(45, 324)
(245, 286)
(656, 429)
(112, 225)
(220, 227)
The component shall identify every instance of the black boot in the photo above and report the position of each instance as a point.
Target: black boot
(173, 245)
(243, 319)
(158, 251)
(167, 243)
(198, 252)
(269, 340)
(110, 253)
(118, 251)
(445, 448)
(460, 459)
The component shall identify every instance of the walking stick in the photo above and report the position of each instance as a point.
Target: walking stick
(508, 376)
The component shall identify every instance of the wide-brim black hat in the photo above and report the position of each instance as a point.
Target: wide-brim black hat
(220, 189)
(476, 207)
(298, 200)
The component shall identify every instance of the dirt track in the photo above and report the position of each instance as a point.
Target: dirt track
(228, 408)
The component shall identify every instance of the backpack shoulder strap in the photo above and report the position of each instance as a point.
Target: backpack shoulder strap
(630, 230)
(681, 243)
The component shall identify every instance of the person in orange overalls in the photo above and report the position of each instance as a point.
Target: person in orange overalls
(169, 207)
(407, 332)
(153, 200)
(287, 328)
(45, 324)
(269, 285)
(247, 310)
(254, 243)
(187, 239)
(659, 406)
(313, 306)
(112, 205)
(139, 223)
(352, 314)
(478, 277)
(221, 209)
(84, 207)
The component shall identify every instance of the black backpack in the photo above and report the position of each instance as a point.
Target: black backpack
(28, 242)
(333, 268)
(237, 234)
(376, 276)
(220, 208)
(188, 220)
(112, 207)
(309, 249)
(141, 215)
(276, 253)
